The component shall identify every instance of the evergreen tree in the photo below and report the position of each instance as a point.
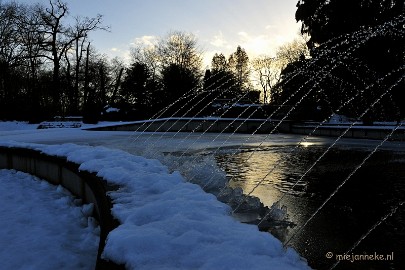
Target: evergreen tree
(239, 64)
(177, 82)
(137, 89)
(220, 80)
(219, 62)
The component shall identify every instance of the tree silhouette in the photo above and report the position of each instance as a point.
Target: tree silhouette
(59, 38)
(239, 64)
(178, 81)
(219, 62)
(330, 23)
(136, 89)
(180, 49)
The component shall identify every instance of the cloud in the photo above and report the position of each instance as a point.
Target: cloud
(265, 42)
(123, 50)
(144, 41)
(259, 41)
(207, 57)
(257, 44)
(219, 41)
(270, 26)
(243, 35)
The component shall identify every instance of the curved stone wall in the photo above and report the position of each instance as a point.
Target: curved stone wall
(59, 171)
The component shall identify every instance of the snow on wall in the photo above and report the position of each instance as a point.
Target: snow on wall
(43, 227)
(168, 223)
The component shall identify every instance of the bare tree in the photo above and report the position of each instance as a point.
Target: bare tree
(29, 25)
(267, 74)
(9, 14)
(10, 53)
(59, 38)
(267, 70)
(148, 55)
(292, 51)
(180, 49)
(79, 34)
(176, 48)
(54, 33)
(117, 69)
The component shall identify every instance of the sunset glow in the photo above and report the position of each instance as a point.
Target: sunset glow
(259, 26)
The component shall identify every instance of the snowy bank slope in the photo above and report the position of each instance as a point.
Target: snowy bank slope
(42, 227)
(167, 223)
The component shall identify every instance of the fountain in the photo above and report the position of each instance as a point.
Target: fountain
(199, 166)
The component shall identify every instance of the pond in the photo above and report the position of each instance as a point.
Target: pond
(363, 201)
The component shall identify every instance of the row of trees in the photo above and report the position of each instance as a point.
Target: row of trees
(263, 73)
(163, 73)
(49, 67)
(160, 74)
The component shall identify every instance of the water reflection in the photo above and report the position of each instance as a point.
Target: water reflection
(363, 200)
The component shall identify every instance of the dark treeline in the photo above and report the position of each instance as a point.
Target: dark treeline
(358, 50)
(159, 75)
(49, 67)
(167, 77)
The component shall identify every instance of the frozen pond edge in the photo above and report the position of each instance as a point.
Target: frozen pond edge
(166, 235)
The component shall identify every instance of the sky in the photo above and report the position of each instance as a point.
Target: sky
(258, 26)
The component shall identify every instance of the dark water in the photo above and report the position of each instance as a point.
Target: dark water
(369, 195)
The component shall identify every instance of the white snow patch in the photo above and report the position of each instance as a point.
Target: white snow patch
(167, 223)
(42, 228)
(111, 109)
(16, 125)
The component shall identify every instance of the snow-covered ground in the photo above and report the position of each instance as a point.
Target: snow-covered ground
(166, 222)
(42, 227)
(139, 143)
(15, 125)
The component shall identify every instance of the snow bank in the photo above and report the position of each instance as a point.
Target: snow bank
(42, 227)
(167, 223)
(15, 125)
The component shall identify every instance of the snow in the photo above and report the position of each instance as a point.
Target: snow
(338, 119)
(60, 124)
(346, 125)
(163, 218)
(112, 109)
(161, 120)
(165, 221)
(43, 227)
(168, 223)
(15, 125)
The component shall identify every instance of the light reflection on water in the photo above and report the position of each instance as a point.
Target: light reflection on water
(366, 197)
(247, 173)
